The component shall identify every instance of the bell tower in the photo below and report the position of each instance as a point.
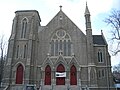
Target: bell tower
(22, 50)
(89, 36)
(92, 75)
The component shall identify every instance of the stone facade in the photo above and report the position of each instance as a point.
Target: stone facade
(36, 53)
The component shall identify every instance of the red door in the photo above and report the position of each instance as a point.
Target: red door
(73, 75)
(60, 80)
(47, 75)
(19, 74)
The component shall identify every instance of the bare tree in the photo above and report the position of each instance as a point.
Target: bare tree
(114, 21)
(117, 68)
(2, 56)
(116, 73)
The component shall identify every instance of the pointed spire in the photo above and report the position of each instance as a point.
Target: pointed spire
(87, 10)
(87, 18)
(101, 32)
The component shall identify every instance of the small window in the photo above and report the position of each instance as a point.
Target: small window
(100, 56)
(99, 74)
(25, 51)
(52, 47)
(69, 48)
(103, 73)
(17, 53)
(24, 27)
(65, 48)
(56, 47)
(60, 48)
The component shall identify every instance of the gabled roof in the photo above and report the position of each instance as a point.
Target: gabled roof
(61, 20)
(99, 40)
(61, 16)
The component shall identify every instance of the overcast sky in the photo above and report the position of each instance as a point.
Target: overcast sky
(74, 9)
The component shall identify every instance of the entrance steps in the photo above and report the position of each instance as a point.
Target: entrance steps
(17, 87)
(60, 87)
(74, 87)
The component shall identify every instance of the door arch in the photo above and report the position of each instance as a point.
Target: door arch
(47, 75)
(60, 80)
(73, 75)
(19, 74)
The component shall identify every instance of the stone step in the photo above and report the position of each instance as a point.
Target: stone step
(18, 87)
(60, 87)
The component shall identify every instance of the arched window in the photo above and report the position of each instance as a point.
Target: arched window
(69, 48)
(65, 48)
(25, 49)
(24, 27)
(19, 74)
(73, 75)
(60, 43)
(101, 73)
(60, 80)
(52, 47)
(56, 48)
(100, 56)
(47, 75)
(17, 52)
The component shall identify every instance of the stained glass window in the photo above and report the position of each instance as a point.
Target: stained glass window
(61, 43)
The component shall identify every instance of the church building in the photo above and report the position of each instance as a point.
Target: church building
(58, 56)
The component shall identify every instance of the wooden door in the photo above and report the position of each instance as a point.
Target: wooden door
(60, 80)
(19, 74)
(47, 75)
(73, 75)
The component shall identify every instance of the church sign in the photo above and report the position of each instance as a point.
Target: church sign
(60, 74)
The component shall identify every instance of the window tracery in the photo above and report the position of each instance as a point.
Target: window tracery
(61, 42)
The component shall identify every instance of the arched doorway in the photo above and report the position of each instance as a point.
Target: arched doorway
(19, 74)
(73, 75)
(47, 75)
(60, 80)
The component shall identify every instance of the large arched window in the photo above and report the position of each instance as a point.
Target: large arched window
(60, 43)
(19, 74)
(60, 80)
(47, 75)
(24, 27)
(73, 75)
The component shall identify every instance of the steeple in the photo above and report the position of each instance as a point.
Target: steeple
(87, 10)
(87, 18)
(89, 35)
